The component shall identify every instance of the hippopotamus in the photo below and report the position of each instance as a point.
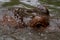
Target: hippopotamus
(41, 21)
(38, 21)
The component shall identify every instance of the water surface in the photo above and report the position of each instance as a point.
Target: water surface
(51, 33)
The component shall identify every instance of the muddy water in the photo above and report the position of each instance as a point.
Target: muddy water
(51, 33)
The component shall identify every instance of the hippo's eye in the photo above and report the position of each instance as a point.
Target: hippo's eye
(39, 25)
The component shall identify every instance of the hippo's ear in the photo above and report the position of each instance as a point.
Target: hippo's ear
(47, 11)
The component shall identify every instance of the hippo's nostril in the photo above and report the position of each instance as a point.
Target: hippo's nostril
(39, 25)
